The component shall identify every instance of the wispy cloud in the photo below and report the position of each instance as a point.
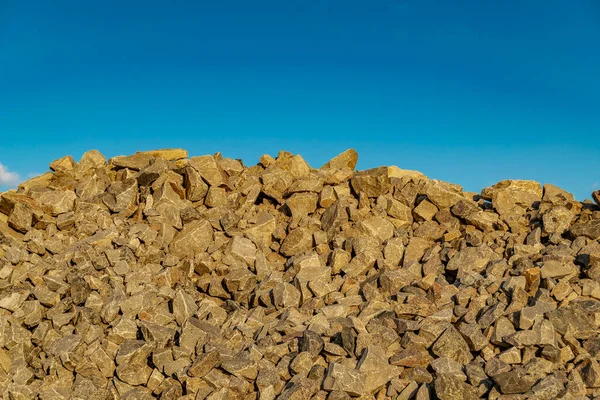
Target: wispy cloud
(596, 185)
(8, 178)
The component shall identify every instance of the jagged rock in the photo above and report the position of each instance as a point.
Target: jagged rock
(344, 379)
(472, 259)
(590, 229)
(373, 182)
(347, 159)
(596, 196)
(122, 196)
(209, 170)
(556, 269)
(168, 154)
(557, 220)
(513, 197)
(449, 387)
(514, 382)
(452, 345)
(298, 241)
(194, 238)
(442, 194)
(395, 172)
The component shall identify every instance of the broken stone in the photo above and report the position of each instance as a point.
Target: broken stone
(347, 159)
(344, 379)
(298, 241)
(449, 387)
(372, 182)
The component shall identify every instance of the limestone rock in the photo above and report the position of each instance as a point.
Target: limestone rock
(194, 238)
(596, 196)
(209, 170)
(347, 159)
(441, 194)
(395, 172)
(344, 379)
(452, 345)
(373, 182)
(298, 241)
(449, 387)
(168, 154)
(514, 197)
(134, 162)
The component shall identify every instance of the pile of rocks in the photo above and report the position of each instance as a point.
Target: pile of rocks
(156, 275)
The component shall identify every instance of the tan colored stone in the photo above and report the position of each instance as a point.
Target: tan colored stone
(452, 345)
(121, 196)
(203, 364)
(21, 218)
(596, 196)
(344, 379)
(513, 197)
(91, 160)
(194, 238)
(449, 387)
(347, 159)
(395, 172)
(557, 220)
(209, 170)
(134, 162)
(377, 227)
(261, 231)
(63, 165)
(168, 154)
(472, 259)
(442, 194)
(297, 241)
(9, 199)
(372, 182)
(302, 204)
(425, 210)
(556, 269)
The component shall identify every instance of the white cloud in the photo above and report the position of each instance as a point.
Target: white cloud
(596, 185)
(8, 178)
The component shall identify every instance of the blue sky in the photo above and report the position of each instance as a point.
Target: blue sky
(471, 92)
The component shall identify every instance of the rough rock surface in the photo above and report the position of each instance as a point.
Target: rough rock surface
(156, 275)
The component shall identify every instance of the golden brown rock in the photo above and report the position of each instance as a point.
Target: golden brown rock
(347, 159)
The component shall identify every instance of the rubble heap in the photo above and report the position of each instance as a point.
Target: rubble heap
(156, 275)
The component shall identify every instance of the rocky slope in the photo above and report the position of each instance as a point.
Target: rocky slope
(156, 275)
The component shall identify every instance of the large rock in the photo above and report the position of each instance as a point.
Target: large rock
(372, 182)
(298, 241)
(193, 239)
(209, 170)
(347, 159)
(442, 194)
(168, 154)
(589, 229)
(344, 379)
(472, 259)
(452, 345)
(513, 197)
(122, 196)
(59, 201)
(449, 387)
(134, 162)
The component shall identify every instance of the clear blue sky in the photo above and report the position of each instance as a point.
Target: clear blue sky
(471, 92)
